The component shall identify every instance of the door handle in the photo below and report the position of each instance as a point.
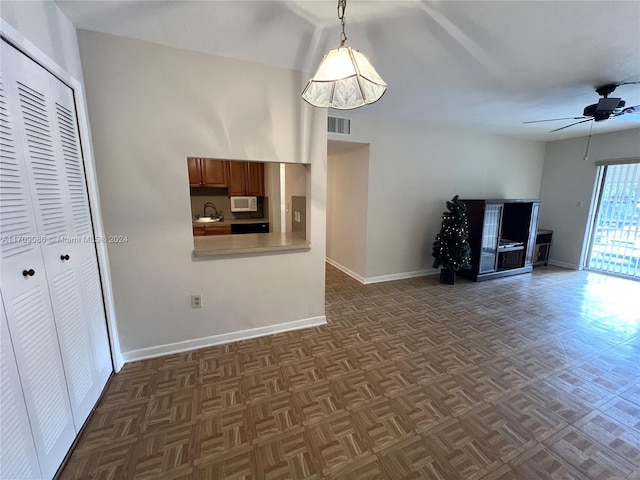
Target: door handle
(64, 257)
(28, 273)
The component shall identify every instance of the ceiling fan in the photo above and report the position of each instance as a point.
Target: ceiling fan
(605, 109)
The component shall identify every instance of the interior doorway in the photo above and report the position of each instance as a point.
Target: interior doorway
(347, 206)
(614, 246)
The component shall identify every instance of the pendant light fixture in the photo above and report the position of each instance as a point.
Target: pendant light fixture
(345, 79)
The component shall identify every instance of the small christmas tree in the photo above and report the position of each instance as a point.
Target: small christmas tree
(451, 251)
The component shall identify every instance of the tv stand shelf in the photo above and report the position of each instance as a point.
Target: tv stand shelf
(502, 235)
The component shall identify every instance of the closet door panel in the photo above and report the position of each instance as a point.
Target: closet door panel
(35, 342)
(42, 158)
(46, 111)
(75, 343)
(25, 290)
(85, 255)
(94, 307)
(18, 457)
(17, 221)
(73, 165)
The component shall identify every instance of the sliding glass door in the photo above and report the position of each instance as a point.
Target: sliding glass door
(615, 238)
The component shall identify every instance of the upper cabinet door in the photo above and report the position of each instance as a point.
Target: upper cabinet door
(214, 173)
(246, 178)
(255, 179)
(237, 178)
(195, 173)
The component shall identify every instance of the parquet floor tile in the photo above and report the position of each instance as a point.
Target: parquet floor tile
(527, 377)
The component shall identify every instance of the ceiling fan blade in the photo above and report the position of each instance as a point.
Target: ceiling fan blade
(554, 119)
(571, 125)
(634, 109)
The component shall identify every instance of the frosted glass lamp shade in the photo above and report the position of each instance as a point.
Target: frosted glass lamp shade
(345, 80)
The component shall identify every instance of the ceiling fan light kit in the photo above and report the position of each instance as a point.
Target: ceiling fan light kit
(345, 78)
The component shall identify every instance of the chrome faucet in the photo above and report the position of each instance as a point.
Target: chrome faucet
(215, 209)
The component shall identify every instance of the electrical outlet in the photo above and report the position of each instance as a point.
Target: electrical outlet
(196, 301)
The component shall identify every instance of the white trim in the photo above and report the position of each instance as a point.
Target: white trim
(178, 347)
(557, 263)
(401, 276)
(31, 50)
(344, 269)
(382, 278)
(617, 161)
(594, 205)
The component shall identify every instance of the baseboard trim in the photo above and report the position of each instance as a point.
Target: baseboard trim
(179, 347)
(401, 276)
(382, 278)
(344, 269)
(557, 263)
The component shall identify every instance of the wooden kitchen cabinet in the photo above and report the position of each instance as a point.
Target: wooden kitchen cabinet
(207, 172)
(217, 229)
(255, 179)
(195, 175)
(246, 178)
(206, 230)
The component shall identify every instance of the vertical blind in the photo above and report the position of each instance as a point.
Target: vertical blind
(615, 240)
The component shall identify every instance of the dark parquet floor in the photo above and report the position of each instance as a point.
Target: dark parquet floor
(528, 377)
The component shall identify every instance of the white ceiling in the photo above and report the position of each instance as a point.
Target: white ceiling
(482, 65)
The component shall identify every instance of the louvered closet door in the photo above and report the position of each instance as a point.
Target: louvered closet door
(18, 458)
(46, 111)
(26, 295)
(84, 262)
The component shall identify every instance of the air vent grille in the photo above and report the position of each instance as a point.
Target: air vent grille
(339, 125)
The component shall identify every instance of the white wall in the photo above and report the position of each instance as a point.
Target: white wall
(347, 198)
(44, 25)
(150, 107)
(567, 180)
(414, 170)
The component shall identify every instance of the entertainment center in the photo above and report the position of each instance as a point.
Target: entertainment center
(502, 235)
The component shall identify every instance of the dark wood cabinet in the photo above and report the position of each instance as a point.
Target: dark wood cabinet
(214, 173)
(246, 178)
(206, 230)
(542, 247)
(207, 172)
(237, 178)
(502, 235)
(255, 179)
(195, 175)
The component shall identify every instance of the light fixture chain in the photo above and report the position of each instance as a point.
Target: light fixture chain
(342, 5)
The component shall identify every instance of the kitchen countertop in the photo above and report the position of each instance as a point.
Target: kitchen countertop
(216, 245)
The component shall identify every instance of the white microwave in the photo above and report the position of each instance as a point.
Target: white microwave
(244, 204)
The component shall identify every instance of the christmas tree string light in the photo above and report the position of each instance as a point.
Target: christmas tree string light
(451, 250)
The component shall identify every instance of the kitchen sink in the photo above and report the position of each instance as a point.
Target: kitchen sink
(207, 220)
